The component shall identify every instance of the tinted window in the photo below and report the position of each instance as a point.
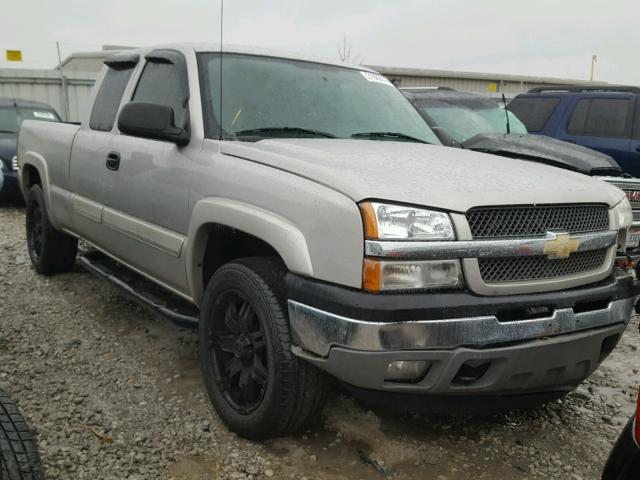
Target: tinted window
(107, 101)
(600, 117)
(161, 83)
(534, 112)
(636, 125)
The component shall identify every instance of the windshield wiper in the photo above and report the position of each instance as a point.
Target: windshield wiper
(278, 130)
(7, 131)
(397, 135)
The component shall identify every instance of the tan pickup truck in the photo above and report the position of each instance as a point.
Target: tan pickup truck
(314, 225)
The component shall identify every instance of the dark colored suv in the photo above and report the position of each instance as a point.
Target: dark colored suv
(12, 113)
(604, 118)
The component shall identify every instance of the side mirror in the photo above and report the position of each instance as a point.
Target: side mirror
(151, 120)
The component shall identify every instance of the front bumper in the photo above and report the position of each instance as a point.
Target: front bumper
(522, 343)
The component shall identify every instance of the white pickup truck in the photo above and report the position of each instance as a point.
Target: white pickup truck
(313, 224)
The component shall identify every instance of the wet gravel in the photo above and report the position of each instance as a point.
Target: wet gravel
(115, 393)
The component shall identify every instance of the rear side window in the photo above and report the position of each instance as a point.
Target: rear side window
(636, 124)
(161, 83)
(601, 117)
(534, 112)
(105, 107)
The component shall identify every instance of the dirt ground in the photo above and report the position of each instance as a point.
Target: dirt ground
(115, 393)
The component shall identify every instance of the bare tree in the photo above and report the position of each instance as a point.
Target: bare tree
(344, 52)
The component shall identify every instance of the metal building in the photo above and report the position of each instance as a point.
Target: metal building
(486, 83)
(69, 93)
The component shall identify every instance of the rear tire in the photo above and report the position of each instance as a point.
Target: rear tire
(257, 386)
(50, 250)
(19, 458)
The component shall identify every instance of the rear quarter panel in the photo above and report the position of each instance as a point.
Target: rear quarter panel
(46, 146)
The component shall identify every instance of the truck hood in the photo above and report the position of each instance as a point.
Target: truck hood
(441, 177)
(546, 150)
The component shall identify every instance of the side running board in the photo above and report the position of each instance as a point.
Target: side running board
(141, 290)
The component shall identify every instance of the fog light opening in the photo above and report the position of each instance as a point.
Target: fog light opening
(470, 372)
(407, 371)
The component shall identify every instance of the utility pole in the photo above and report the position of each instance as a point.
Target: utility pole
(594, 60)
(64, 92)
(59, 57)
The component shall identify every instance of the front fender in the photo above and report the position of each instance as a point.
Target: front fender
(273, 229)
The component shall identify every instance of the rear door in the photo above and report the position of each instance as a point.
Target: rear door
(148, 196)
(603, 124)
(89, 176)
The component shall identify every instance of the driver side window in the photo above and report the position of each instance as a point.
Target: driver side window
(161, 83)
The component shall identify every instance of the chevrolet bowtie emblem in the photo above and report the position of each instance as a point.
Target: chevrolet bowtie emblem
(560, 245)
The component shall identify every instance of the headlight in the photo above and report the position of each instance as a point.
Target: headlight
(382, 275)
(624, 214)
(14, 163)
(385, 222)
(396, 222)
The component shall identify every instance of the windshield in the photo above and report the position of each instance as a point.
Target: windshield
(290, 98)
(11, 117)
(466, 118)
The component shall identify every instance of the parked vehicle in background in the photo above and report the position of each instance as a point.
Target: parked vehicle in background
(624, 460)
(475, 122)
(302, 215)
(604, 118)
(12, 113)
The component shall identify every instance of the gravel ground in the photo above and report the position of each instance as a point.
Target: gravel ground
(115, 393)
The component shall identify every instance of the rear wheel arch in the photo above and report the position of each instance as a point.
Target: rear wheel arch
(30, 177)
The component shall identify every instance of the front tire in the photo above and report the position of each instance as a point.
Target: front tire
(257, 386)
(50, 250)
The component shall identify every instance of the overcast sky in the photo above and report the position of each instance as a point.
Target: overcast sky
(540, 37)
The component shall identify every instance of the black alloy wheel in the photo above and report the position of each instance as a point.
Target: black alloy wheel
(35, 229)
(238, 343)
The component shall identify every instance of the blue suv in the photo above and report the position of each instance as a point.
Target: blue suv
(604, 118)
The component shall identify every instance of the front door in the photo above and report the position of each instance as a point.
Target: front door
(147, 201)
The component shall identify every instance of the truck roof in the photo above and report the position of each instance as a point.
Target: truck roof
(244, 49)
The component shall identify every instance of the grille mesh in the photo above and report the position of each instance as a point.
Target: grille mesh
(527, 221)
(496, 270)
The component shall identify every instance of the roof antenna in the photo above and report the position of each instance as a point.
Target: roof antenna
(220, 98)
(506, 112)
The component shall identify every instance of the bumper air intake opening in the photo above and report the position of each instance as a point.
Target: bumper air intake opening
(470, 372)
(608, 344)
(517, 314)
(592, 306)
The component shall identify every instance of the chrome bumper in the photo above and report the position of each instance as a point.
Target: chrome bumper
(317, 331)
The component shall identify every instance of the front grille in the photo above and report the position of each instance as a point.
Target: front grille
(528, 221)
(499, 270)
(632, 191)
